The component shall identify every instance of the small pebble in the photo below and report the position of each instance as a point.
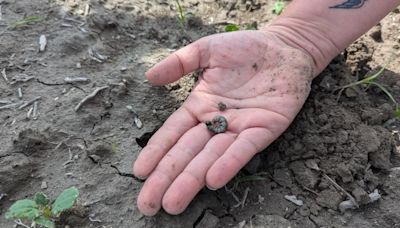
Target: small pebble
(294, 200)
(138, 122)
(95, 158)
(42, 43)
(43, 185)
(2, 195)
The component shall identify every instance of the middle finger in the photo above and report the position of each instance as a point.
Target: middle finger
(185, 187)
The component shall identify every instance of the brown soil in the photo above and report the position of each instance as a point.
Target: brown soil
(353, 139)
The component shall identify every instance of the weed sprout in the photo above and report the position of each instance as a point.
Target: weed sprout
(368, 81)
(39, 211)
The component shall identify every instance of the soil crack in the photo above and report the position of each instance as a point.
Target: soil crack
(6, 155)
(126, 174)
(201, 216)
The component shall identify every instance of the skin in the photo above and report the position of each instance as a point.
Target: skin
(263, 82)
(263, 77)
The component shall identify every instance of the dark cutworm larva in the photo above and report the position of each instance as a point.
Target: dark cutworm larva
(217, 125)
(221, 106)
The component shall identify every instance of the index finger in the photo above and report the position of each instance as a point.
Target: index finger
(179, 63)
(162, 141)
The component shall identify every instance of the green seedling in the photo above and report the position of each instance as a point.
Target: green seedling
(279, 6)
(235, 27)
(26, 21)
(114, 147)
(39, 211)
(397, 112)
(255, 177)
(370, 81)
(232, 28)
(181, 14)
(252, 26)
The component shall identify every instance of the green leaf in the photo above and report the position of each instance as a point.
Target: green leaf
(397, 112)
(114, 147)
(44, 222)
(385, 91)
(231, 28)
(65, 200)
(278, 7)
(26, 21)
(23, 209)
(181, 14)
(41, 199)
(252, 26)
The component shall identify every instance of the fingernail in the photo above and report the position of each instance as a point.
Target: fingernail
(141, 177)
(211, 188)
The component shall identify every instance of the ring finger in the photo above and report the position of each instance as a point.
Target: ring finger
(187, 147)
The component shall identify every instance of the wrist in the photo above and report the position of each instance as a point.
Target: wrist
(324, 28)
(307, 36)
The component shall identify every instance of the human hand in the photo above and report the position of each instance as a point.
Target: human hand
(263, 82)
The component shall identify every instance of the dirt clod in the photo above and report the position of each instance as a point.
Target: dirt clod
(329, 199)
(360, 195)
(303, 175)
(30, 142)
(269, 221)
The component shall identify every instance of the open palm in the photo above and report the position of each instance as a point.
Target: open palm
(262, 81)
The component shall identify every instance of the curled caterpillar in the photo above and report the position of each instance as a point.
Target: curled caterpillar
(217, 125)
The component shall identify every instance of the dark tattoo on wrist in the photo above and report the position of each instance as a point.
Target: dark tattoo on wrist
(349, 4)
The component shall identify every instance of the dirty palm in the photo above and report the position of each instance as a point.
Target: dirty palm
(263, 83)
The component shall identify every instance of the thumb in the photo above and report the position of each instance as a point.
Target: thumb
(180, 63)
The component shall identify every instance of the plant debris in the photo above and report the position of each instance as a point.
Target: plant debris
(26, 21)
(5, 102)
(138, 123)
(2, 195)
(76, 79)
(87, 10)
(4, 75)
(88, 97)
(34, 110)
(349, 204)
(9, 106)
(27, 103)
(19, 93)
(294, 200)
(95, 55)
(21, 78)
(42, 43)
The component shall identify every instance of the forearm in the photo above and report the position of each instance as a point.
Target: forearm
(323, 28)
